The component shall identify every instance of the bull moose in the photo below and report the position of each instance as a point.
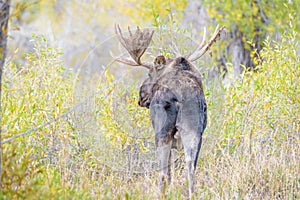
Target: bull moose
(174, 94)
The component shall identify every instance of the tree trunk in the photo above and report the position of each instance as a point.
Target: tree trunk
(236, 53)
(4, 16)
(196, 14)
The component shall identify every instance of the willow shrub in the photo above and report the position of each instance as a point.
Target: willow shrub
(264, 105)
(252, 146)
(36, 89)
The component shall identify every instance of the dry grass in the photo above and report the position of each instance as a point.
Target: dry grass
(105, 150)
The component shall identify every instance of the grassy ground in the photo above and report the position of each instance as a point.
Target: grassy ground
(104, 148)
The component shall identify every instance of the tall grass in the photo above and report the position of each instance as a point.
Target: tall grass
(250, 150)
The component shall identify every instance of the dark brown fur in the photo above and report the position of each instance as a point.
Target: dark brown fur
(175, 96)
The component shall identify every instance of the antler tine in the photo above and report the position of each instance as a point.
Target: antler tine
(203, 48)
(138, 29)
(128, 61)
(119, 34)
(146, 38)
(124, 42)
(136, 44)
(130, 33)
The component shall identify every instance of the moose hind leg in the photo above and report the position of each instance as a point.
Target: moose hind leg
(190, 169)
(163, 155)
(163, 116)
(191, 151)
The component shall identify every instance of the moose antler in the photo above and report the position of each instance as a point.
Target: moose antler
(203, 48)
(136, 44)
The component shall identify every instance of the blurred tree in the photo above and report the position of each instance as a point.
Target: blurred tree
(62, 22)
(4, 16)
(196, 14)
(249, 23)
(143, 11)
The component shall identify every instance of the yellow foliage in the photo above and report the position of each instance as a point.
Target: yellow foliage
(144, 11)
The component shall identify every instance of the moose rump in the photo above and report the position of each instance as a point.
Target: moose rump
(178, 112)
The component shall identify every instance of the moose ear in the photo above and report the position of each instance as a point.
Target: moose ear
(159, 62)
